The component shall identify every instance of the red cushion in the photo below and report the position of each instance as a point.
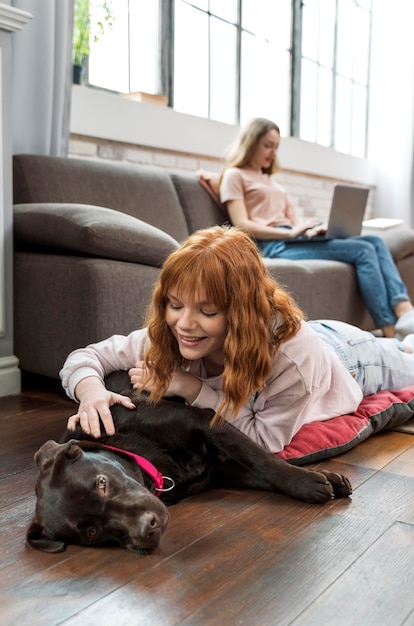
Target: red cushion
(321, 440)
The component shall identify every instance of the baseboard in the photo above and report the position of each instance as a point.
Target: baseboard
(10, 376)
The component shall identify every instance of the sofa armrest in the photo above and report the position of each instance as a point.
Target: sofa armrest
(90, 230)
(400, 241)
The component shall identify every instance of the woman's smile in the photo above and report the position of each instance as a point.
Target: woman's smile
(198, 326)
(191, 341)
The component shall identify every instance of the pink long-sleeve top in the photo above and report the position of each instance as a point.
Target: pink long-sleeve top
(307, 383)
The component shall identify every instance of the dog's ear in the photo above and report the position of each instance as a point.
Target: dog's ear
(36, 539)
(50, 451)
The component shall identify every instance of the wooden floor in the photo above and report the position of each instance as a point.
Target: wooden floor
(227, 557)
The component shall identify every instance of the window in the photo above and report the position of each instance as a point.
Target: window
(125, 58)
(230, 68)
(334, 73)
(302, 63)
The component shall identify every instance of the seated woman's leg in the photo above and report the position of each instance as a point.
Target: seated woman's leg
(397, 292)
(354, 251)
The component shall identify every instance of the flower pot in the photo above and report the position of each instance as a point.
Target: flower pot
(78, 74)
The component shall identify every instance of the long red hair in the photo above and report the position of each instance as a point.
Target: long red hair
(223, 263)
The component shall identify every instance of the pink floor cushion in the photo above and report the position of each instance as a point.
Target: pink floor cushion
(322, 440)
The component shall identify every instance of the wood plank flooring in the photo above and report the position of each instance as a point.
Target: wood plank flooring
(228, 557)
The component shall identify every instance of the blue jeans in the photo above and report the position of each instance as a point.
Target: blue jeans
(378, 277)
(377, 364)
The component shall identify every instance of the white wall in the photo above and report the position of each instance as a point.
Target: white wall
(391, 114)
(11, 21)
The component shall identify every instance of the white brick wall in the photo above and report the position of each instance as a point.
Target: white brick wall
(311, 195)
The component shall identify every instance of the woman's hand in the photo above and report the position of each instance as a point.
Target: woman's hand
(94, 402)
(310, 227)
(182, 384)
(319, 229)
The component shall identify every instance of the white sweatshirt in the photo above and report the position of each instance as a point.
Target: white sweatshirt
(307, 383)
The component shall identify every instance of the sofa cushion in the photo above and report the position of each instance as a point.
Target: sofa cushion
(199, 208)
(143, 192)
(92, 231)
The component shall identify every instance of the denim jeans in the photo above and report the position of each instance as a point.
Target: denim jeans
(377, 364)
(378, 277)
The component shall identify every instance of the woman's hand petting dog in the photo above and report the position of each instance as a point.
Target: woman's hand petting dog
(94, 407)
(95, 400)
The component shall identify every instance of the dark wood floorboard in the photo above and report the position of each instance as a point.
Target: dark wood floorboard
(227, 557)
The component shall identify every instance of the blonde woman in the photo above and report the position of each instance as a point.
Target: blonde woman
(258, 204)
(223, 335)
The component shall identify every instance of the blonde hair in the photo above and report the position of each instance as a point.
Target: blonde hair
(224, 263)
(246, 144)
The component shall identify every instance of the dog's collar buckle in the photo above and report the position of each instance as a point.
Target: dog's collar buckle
(148, 468)
(171, 484)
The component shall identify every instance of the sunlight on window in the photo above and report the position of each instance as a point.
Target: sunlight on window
(324, 119)
(361, 47)
(223, 71)
(334, 73)
(108, 59)
(268, 19)
(326, 34)
(144, 17)
(343, 115)
(191, 63)
(346, 26)
(226, 9)
(359, 121)
(308, 100)
(264, 90)
(126, 57)
(265, 61)
(310, 30)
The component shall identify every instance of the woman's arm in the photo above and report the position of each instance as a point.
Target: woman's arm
(182, 384)
(270, 421)
(83, 376)
(238, 216)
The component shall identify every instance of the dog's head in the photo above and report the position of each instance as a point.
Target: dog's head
(87, 496)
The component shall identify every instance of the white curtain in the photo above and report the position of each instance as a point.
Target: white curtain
(391, 114)
(42, 78)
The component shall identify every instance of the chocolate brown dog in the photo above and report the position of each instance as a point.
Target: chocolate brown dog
(95, 491)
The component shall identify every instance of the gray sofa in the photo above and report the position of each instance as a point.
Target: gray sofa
(90, 238)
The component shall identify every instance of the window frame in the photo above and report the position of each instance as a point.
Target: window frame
(165, 77)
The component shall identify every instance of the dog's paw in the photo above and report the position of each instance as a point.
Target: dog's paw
(341, 486)
(317, 486)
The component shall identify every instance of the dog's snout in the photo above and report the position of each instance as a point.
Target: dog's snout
(149, 523)
(149, 527)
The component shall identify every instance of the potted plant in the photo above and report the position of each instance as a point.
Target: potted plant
(84, 27)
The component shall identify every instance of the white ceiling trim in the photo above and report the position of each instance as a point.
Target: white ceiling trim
(12, 19)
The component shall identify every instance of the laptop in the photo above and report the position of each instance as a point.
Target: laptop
(346, 215)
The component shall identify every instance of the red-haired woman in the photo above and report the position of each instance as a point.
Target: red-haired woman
(223, 335)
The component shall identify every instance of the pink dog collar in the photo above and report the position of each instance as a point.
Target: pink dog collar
(148, 468)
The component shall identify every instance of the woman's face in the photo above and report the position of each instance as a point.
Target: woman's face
(265, 151)
(199, 327)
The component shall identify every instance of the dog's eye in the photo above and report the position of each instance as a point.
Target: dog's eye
(101, 482)
(92, 532)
